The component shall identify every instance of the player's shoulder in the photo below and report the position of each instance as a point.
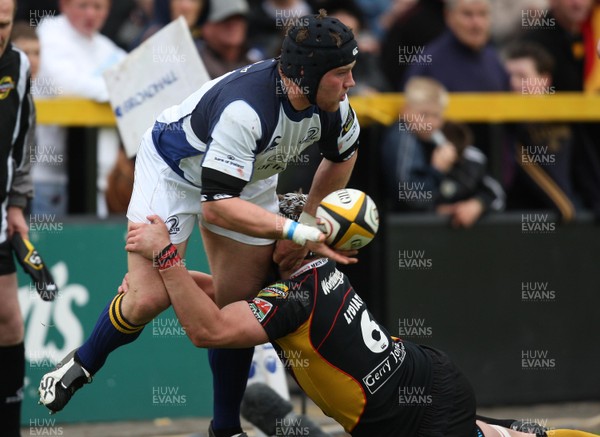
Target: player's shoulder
(255, 83)
(14, 54)
(248, 92)
(14, 63)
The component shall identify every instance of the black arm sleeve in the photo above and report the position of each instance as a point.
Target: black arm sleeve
(217, 185)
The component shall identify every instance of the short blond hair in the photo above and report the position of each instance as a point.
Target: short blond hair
(425, 90)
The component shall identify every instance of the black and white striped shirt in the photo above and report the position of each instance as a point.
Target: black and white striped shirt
(16, 116)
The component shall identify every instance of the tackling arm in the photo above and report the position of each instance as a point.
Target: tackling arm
(205, 324)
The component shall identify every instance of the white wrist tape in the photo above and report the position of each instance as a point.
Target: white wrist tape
(299, 233)
(307, 219)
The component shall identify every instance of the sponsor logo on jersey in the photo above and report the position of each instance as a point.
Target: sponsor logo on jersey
(349, 121)
(334, 280)
(311, 136)
(229, 160)
(260, 308)
(173, 224)
(273, 144)
(274, 290)
(222, 196)
(6, 86)
(377, 377)
(226, 163)
(312, 265)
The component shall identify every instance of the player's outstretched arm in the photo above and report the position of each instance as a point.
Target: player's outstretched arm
(242, 216)
(245, 217)
(205, 324)
(233, 326)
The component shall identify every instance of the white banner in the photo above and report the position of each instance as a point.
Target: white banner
(163, 71)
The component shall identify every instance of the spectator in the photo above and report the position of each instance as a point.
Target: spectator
(165, 11)
(223, 45)
(268, 21)
(546, 170)
(73, 56)
(127, 20)
(508, 17)
(425, 171)
(569, 33)
(566, 34)
(25, 39)
(464, 60)
(410, 32)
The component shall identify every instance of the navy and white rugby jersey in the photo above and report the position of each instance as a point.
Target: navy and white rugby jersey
(242, 125)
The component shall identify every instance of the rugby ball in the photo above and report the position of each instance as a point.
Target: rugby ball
(350, 218)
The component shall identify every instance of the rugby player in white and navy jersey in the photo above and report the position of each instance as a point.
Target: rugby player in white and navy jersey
(215, 158)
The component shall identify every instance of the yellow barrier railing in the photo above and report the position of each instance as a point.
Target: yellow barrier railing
(381, 108)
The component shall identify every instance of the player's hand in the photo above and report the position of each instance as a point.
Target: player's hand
(339, 256)
(288, 255)
(147, 239)
(124, 287)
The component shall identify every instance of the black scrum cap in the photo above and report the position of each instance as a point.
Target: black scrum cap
(312, 47)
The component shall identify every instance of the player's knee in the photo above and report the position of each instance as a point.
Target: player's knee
(12, 330)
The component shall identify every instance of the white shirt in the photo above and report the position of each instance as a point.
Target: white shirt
(72, 63)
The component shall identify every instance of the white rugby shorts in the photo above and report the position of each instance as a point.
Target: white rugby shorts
(157, 189)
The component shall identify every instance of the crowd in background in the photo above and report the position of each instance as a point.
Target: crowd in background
(425, 48)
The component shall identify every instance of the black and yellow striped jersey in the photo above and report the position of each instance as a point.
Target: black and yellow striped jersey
(345, 361)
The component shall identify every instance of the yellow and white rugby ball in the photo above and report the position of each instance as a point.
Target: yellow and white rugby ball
(350, 217)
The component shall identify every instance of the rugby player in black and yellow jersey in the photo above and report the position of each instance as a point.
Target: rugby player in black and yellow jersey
(370, 382)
